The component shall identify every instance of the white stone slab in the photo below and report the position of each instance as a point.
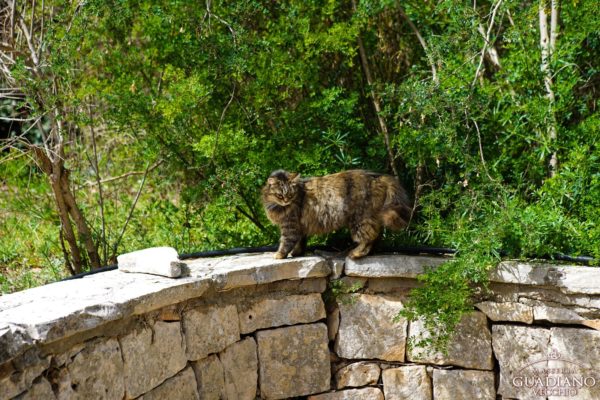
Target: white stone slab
(163, 261)
(569, 279)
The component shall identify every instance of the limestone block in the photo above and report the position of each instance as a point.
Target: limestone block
(257, 269)
(210, 377)
(368, 393)
(151, 355)
(519, 349)
(407, 383)
(210, 329)
(569, 279)
(40, 390)
(391, 266)
(162, 261)
(367, 329)
(293, 361)
(337, 268)
(575, 353)
(470, 346)
(15, 379)
(556, 315)
(240, 365)
(180, 387)
(289, 310)
(357, 374)
(333, 321)
(463, 384)
(94, 372)
(507, 311)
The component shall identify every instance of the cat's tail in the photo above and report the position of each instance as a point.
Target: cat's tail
(397, 209)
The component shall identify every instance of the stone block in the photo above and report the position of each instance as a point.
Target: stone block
(410, 382)
(289, 310)
(180, 387)
(162, 261)
(391, 266)
(18, 376)
(574, 354)
(240, 367)
(293, 361)
(357, 374)
(256, 269)
(97, 371)
(367, 329)
(368, 393)
(556, 315)
(210, 377)
(470, 346)
(519, 350)
(40, 390)
(569, 279)
(463, 384)
(210, 329)
(151, 355)
(506, 311)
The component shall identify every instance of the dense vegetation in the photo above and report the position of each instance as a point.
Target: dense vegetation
(133, 123)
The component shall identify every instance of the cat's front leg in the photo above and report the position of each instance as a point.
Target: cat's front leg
(288, 242)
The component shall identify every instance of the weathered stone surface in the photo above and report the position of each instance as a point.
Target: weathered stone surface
(240, 365)
(151, 355)
(180, 387)
(14, 379)
(62, 309)
(333, 321)
(210, 329)
(391, 266)
(357, 374)
(294, 361)
(367, 393)
(367, 329)
(337, 268)
(407, 383)
(162, 261)
(470, 348)
(569, 279)
(289, 310)
(210, 377)
(506, 311)
(246, 270)
(577, 351)
(556, 315)
(41, 390)
(519, 350)
(94, 372)
(463, 384)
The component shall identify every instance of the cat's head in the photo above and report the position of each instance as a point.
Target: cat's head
(282, 188)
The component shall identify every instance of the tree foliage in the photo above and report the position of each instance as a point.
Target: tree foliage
(203, 100)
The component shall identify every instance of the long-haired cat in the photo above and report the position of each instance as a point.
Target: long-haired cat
(360, 200)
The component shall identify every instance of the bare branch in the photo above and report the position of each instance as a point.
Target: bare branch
(486, 41)
(221, 120)
(434, 75)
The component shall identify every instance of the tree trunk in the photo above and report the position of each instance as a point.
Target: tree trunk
(547, 44)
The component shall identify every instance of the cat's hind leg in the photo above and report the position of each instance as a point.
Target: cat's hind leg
(364, 233)
(299, 248)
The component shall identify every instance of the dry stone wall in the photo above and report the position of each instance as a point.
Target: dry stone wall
(250, 327)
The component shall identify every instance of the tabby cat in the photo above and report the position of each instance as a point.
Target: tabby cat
(360, 200)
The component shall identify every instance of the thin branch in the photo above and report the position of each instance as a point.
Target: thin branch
(221, 121)
(434, 74)
(125, 175)
(375, 99)
(486, 41)
(99, 183)
(481, 151)
(137, 196)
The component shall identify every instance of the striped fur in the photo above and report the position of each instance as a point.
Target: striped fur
(360, 200)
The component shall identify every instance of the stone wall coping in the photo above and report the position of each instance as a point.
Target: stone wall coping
(60, 310)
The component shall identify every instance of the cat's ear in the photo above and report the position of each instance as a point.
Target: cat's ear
(271, 181)
(294, 176)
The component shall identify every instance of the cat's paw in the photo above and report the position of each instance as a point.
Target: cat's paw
(279, 256)
(354, 255)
